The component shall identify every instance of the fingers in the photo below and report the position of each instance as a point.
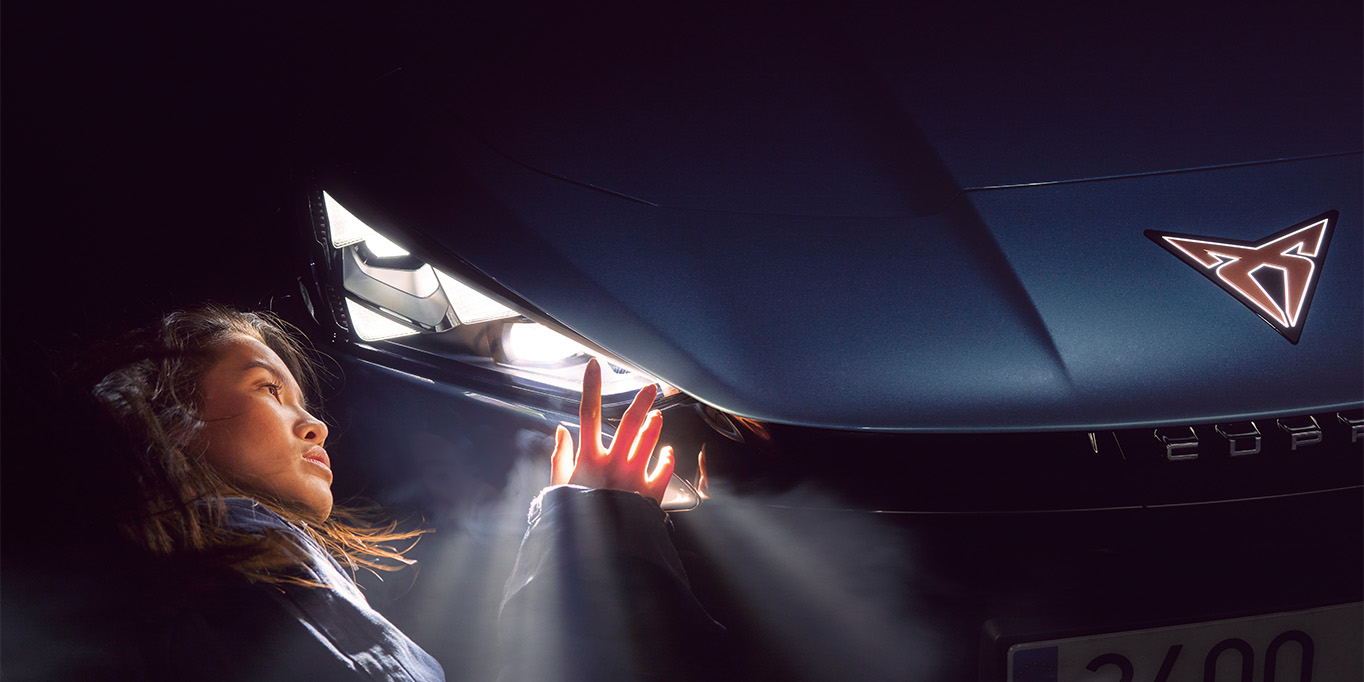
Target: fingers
(633, 421)
(656, 481)
(589, 410)
(561, 460)
(643, 446)
(624, 466)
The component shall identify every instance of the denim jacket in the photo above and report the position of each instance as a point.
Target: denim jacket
(597, 593)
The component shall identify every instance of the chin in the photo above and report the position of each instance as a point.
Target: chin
(319, 510)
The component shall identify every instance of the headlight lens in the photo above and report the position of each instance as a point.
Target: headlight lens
(346, 229)
(390, 295)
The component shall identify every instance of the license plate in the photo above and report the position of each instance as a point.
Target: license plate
(1321, 645)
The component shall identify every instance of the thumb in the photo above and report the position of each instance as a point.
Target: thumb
(561, 460)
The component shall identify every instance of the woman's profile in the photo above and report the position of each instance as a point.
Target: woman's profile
(234, 561)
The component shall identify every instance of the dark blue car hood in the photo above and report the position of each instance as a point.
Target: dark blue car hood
(832, 222)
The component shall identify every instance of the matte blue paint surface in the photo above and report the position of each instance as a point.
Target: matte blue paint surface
(798, 226)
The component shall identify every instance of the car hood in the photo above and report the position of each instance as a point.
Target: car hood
(846, 236)
(889, 109)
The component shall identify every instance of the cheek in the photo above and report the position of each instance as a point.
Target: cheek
(234, 450)
(220, 449)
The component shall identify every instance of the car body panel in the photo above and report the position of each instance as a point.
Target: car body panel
(888, 109)
(931, 341)
(1072, 318)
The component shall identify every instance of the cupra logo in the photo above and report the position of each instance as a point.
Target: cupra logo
(1275, 276)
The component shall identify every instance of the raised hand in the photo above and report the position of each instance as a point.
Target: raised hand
(622, 466)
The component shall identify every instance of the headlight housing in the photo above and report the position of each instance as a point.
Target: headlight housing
(385, 299)
(391, 295)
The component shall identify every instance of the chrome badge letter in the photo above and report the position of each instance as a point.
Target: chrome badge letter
(1274, 277)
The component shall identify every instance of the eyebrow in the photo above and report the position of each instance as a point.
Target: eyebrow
(265, 366)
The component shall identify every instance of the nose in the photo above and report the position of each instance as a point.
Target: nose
(311, 429)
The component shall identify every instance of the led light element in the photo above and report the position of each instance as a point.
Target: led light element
(346, 230)
(372, 326)
(390, 294)
(1288, 261)
(532, 343)
(470, 306)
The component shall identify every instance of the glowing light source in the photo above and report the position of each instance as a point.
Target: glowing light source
(538, 344)
(1292, 254)
(470, 306)
(346, 230)
(1274, 276)
(398, 298)
(372, 326)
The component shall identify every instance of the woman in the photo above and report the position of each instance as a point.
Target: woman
(220, 475)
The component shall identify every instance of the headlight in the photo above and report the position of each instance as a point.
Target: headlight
(390, 295)
(384, 296)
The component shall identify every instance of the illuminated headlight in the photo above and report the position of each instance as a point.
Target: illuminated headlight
(390, 295)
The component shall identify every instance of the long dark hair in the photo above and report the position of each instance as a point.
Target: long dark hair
(145, 391)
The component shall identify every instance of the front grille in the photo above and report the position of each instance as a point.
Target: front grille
(1052, 471)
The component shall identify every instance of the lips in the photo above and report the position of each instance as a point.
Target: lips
(318, 456)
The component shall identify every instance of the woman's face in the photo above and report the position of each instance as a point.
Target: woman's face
(257, 433)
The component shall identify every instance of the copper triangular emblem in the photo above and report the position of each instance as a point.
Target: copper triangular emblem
(1275, 276)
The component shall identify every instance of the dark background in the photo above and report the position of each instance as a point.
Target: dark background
(150, 158)
(148, 153)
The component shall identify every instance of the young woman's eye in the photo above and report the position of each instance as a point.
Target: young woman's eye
(274, 389)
